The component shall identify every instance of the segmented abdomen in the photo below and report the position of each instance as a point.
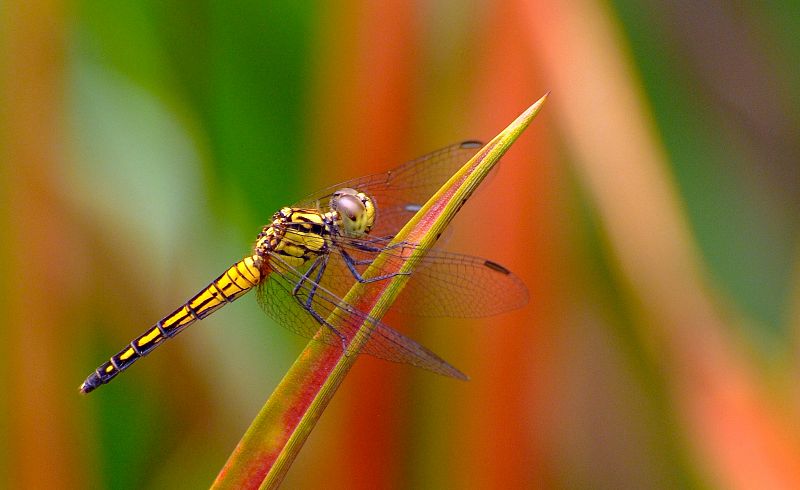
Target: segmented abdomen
(240, 278)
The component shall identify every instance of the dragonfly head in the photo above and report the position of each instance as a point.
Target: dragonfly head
(356, 212)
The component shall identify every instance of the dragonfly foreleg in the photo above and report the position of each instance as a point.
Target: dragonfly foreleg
(366, 247)
(352, 263)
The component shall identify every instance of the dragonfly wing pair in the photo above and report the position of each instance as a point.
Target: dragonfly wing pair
(443, 284)
(280, 299)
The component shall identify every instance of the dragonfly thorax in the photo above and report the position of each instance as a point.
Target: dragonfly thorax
(296, 235)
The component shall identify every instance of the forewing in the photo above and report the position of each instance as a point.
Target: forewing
(399, 193)
(276, 298)
(443, 284)
(452, 285)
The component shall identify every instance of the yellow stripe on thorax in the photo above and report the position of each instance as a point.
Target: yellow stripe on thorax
(302, 236)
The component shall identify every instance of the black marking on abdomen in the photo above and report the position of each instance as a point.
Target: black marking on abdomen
(202, 306)
(191, 311)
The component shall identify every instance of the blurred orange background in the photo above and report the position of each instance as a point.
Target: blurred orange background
(650, 208)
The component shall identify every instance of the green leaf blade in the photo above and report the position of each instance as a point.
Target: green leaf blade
(270, 445)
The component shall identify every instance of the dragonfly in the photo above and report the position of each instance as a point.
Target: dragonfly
(309, 256)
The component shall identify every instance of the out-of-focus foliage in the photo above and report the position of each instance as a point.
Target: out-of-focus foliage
(651, 210)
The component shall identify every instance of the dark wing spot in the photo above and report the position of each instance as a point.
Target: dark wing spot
(471, 144)
(496, 267)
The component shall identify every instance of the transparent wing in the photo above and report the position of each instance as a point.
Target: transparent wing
(443, 284)
(276, 298)
(462, 286)
(400, 192)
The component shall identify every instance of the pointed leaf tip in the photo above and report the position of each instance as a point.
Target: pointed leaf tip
(534, 109)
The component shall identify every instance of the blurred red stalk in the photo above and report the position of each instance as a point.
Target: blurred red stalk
(504, 415)
(365, 92)
(383, 83)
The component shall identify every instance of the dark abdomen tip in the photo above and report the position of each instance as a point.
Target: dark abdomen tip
(91, 383)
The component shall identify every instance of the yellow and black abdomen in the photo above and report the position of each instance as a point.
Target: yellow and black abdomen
(231, 285)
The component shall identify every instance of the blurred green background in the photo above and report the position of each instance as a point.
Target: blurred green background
(651, 209)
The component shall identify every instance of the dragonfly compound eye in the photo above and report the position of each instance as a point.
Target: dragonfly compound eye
(349, 207)
(355, 215)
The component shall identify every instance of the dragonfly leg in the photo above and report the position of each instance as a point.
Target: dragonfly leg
(352, 263)
(322, 321)
(319, 265)
(364, 245)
